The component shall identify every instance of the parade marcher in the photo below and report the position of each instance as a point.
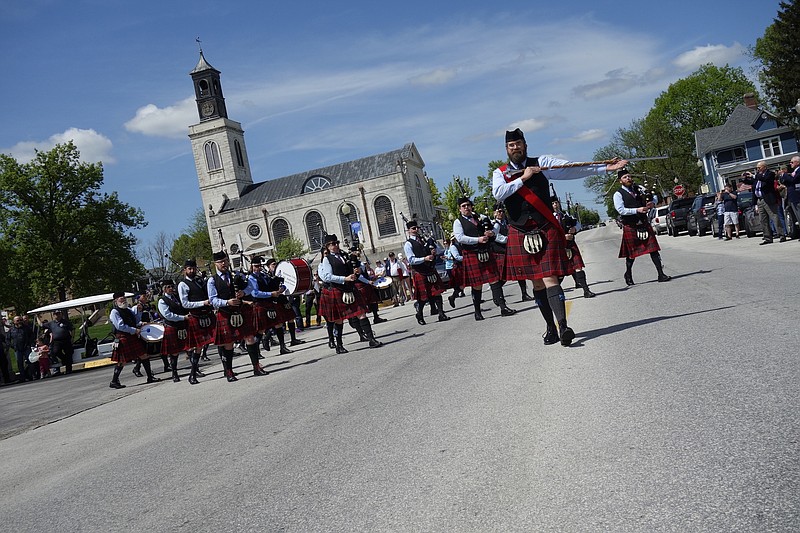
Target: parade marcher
(425, 279)
(235, 319)
(500, 226)
(569, 225)
(144, 303)
(452, 266)
(176, 331)
(367, 290)
(129, 346)
(340, 299)
(475, 234)
(638, 235)
(330, 325)
(265, 292)
(193, 296)
(283, 306)
(536, 246)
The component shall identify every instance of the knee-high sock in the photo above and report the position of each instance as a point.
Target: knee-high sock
(497, 294)
(357, 325)
(555, 297)
(338, 330)
(292, 334)
(173, 362)
(279, 332)
(253, 352)
(194, 359)
(329, 325)
(374, 308)
(117, 372)
(544, 306)
(523, 285)
(420, 306)
(580, 280)
(147, 369)
(628, 265)
(656, 257)
(229, 359)
(476, 299)
(367, 328)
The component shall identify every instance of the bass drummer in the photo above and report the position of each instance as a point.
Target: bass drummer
(365, 283)
(283, 306)
(265, 292)
(128, 346)
(340, 300)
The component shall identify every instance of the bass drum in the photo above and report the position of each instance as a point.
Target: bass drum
(384, 289)
(296, 274)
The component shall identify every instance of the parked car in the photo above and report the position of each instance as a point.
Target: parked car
(792, 224)
(659, 221)
(749, 221)
(676, 215)
(700, 214)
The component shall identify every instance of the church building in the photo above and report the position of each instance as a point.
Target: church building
(365, 199)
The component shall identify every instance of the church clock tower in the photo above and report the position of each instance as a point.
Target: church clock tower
(220, 156)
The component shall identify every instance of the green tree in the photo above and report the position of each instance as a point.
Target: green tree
(194, 242)
(452, 192)
(588, 217)
(778, 51)
(290, 247)
(436, 196)
(68, 239)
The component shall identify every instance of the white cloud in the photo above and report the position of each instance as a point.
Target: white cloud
(528, 125)
(171, 121)
(717, 54)
(92, 146)
(584, 136)
(440, 76)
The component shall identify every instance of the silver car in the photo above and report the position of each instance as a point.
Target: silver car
(659, 220)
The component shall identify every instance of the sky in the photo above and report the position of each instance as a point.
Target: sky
(318, 83)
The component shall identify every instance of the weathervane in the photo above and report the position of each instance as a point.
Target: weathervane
(197, 40)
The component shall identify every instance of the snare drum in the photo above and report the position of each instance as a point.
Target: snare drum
(152, 333)
(296, 275)
(384, 288)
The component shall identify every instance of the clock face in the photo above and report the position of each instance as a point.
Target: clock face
(207, 109)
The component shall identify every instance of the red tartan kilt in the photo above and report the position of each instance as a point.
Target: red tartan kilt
(632, 247)
(577, 259)
(129, 348)
(552, 261)
(201, 336)
(226, 333)
(268, 314)
(368, 292)
(500, 263)
(424, 290)
(334, 309)
(457, 275)
(477, 273)
(172, 343)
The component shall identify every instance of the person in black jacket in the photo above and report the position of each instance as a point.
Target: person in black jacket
(763, 186)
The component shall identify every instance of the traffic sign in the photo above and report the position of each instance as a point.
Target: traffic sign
(679, 190)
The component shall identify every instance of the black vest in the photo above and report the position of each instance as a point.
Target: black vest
(471, 228)
(633, 202)
(496, 245)
(174, 306)
(340, 268)
(127, 316)
(520, 211)
(421, 250)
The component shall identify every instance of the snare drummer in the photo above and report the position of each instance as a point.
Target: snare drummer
(176, 338)
(283, 305)
(128, 346)
(264, 292)
(633, 204)
(234, 316)
(193, 296)
(536, 247)
(340, 300)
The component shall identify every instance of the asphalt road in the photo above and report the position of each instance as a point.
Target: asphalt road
(676, 409)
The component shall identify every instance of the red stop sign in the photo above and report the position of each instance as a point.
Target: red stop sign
(679, 190)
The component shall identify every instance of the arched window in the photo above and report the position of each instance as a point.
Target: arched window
(384, 214)
(213, 161)
(316, 183)
(280, 230)
(203, 86)
(314, 229)
(238, 149)
(422, 210)
(345, 221)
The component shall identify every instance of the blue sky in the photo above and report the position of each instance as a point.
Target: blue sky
(317, 83)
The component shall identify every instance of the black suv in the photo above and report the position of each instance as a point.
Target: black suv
(700, 214)
(676, 215)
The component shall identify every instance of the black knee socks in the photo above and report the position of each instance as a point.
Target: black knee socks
(543, 302)
(555, 297)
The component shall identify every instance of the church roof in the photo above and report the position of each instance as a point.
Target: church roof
(338, 175)
(202, 65)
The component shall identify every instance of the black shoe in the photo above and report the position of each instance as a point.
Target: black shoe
(478, 315)
(175, 378)
(506, 311)
(231, 377)
(443, 317)
(153, 379)
(199, 374)
(782, 239)
(629, 279)
(527, 297)
(331, 344)
(420, 319)
(206, 358)
(550, 336)
(566, 336)
(379, 320)
(588, 294)
(765, 241)
(285, 350)
(258, 371)
(341, 349)
(193, 380)
(374, 343)
(663, 277)
(295, 342)
(452, 300)
(137, 373)
(116, 385)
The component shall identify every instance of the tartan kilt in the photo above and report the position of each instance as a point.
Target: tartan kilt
(500, 263)
(200, 336)
(424, 290)
(226, 333)
(456, 275)
(477, 273)
(577, 258)
(268, 313)
(552, 261)
(368, 292)
(172, 343)
(632, 247)
(334, 309)
(128, 348)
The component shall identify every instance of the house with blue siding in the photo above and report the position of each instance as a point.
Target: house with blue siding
(749, 135)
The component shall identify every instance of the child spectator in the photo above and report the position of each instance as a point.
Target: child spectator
(44, 355)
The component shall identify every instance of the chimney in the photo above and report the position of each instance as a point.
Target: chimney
(751, 101)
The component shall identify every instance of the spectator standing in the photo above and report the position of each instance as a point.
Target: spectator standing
(61, 340)
(731, 212)
(397, 270)
(5, 367)
(20, 339)
(43, 350)
(719, 205)
(792, 182)
(763, 187)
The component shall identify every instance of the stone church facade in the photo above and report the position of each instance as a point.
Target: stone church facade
(248, 217)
